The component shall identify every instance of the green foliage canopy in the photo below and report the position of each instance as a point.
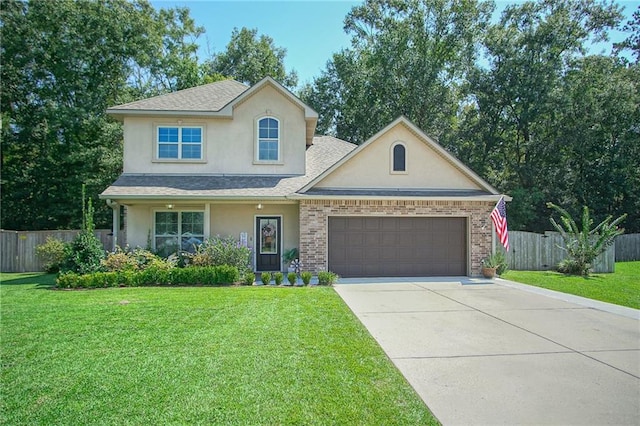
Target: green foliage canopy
(249, 58)
(63, 63)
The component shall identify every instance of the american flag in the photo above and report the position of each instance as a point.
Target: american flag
(499, 218)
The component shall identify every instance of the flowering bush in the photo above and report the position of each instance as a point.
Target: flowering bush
(223, 251)
(135, 260)
(52, 252)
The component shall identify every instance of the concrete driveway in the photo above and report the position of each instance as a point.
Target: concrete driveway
(503, 353)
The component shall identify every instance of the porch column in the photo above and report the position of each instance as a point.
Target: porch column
(115, 207)
(207, 220)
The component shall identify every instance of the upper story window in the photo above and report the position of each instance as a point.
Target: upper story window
(268, 139)
(399, 160)
(179, 143)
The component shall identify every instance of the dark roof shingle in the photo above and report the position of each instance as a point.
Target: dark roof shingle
(324, 152)
(209, 97)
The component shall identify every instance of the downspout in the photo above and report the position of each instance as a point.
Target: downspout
(115, 221)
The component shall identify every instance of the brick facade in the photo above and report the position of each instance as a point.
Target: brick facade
(314, 223)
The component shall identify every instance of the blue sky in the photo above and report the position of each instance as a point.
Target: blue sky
(311, 31)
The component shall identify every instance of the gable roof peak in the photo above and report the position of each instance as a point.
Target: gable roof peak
(435, 146)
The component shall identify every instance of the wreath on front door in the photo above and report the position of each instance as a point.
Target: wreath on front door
(269, 230)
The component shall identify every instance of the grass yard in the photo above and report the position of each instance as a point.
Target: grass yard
(621, 287)
(196, 355)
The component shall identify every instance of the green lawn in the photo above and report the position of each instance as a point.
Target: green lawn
(195, 355)
(621, 287)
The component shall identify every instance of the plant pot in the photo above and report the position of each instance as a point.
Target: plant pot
(488, 272)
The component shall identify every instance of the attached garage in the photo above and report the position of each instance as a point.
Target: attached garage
(397, 246)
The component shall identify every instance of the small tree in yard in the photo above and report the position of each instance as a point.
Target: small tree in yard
(85, 253)
(584, 245)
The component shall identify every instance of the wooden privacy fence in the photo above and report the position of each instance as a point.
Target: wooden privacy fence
(628, 247)
(18, 248)
(542, 252)
(529, 251)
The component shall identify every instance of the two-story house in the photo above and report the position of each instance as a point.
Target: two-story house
(228, 159)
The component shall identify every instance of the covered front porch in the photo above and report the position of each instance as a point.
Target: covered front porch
(267, 227)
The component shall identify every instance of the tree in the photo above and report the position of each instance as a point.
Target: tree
(406, 58)
(596, 131)
(170, 61)
(633, 41)
(584, 245)
(63, 64)
(250, 58)
(512, 119)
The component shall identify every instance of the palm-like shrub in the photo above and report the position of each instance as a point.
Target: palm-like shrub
(584, 245)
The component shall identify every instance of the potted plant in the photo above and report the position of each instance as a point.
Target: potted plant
(289, 256)
(495, 262)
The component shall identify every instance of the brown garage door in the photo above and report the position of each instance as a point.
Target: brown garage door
(397, 247)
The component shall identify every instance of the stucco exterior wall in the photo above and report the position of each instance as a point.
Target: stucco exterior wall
(314, 223)
(371, 168)
(229, 145)
(232, 219)
(224, 219)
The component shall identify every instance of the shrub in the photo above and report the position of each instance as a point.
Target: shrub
(249, 278)
(222, 251)
(327, 278)
(85, 253)
(52, 252)
(135, 260)
(572, 267)
(120, 261)
(227, 274)
(265, 277)
(292, 278)
(147, 259)
(127, 279)
(67, 280)
(584, 245)
(306, 277)
(151, 276)
(278, 277)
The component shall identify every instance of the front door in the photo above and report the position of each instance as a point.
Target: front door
(268, 236)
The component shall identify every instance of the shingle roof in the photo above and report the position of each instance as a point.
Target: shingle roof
(209, 97)
(324, 152)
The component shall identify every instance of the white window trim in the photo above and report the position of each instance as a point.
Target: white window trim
(392, 157)
(179, 211)
(156, 143)
(257, 159)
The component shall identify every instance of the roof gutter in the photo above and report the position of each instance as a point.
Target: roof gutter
(491, 197)
(110, 197)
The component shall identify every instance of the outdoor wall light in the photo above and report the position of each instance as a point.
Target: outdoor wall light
(169, 206)
(259, 206)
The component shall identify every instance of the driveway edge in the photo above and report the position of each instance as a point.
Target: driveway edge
(571, 298)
